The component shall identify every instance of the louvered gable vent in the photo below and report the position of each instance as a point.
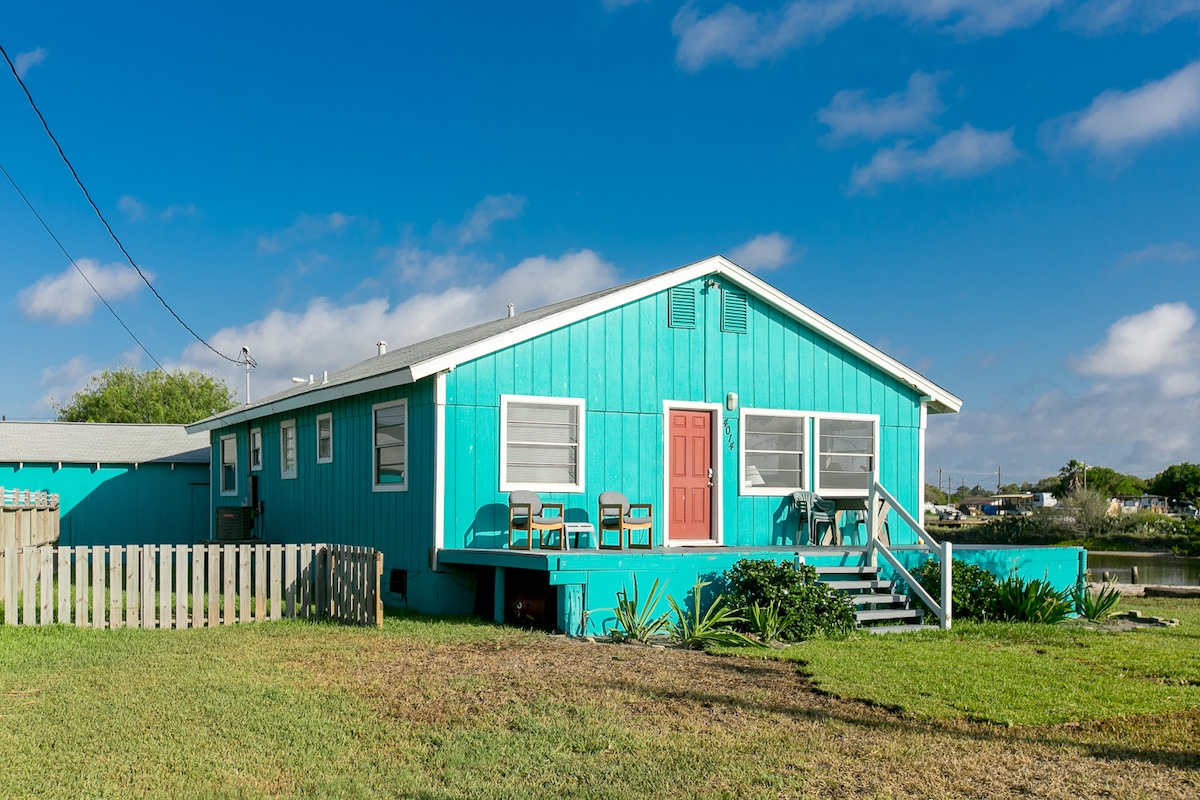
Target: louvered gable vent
(681, 307)
(733, 311)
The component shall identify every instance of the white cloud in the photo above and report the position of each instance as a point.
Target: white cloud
(328, 336)
(1173, 253)
(33, 58)
(958, 154)
(613, 5)
(1117, 121)
(131, 207)
(1145, 344)
(428, 269)
(179, 210)
(487, 212)
(748, 39)
(306, 228)
(1139, 411)
(67, 297)
(65, 380)
(1097, 16)
(853, 115)
(765, 252)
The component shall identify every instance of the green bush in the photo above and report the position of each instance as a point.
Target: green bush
(1018, 600)
(973, 594)
(809, 608)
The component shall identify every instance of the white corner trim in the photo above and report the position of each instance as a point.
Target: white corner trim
(439, 467)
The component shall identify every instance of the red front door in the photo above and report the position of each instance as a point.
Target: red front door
(691, 477)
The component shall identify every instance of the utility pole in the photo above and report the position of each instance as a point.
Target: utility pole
(940, 482)
(998, 484)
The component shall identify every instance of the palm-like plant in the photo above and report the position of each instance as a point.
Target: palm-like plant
(697, 630)
(636, 619)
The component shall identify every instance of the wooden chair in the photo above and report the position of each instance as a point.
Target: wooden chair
(527, 513)
(813, 511)
(616, 514)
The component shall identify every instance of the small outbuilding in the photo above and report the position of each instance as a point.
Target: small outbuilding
(117, 483)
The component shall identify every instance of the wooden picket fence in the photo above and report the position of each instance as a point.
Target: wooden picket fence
(27, 518)
(190, 586)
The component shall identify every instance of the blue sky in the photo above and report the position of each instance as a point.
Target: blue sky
(1001, 195)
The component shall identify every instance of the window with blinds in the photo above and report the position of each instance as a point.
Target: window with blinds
(773, 452)
(846, 455)
(541, 445)
(390, 446)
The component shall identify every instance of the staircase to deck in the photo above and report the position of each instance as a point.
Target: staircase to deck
(879, 608)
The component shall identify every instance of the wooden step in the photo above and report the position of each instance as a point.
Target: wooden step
(876, 614)
(877, 597)
(846, 570)
(870, 584)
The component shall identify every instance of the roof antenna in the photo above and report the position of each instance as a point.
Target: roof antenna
(512, 309)
(382, 345)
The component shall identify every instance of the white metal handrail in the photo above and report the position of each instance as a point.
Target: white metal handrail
(879, 504)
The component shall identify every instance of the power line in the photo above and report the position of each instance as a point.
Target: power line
(82, 274)
(104, 221)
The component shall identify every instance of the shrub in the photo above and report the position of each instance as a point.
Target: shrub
(1096, 607)
(808, 607)
(636, 618)
(973, 595)
(1018, 600)
(700, 630)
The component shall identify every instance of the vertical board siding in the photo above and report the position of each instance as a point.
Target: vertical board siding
(624, 363)
(154, 592)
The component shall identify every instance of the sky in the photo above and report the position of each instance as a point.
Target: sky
(1001, 195)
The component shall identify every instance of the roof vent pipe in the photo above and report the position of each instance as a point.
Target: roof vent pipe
(512, 309)
(325, 378)
(382, 345)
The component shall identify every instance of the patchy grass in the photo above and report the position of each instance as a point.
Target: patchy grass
(1025, 674)
(445, 709)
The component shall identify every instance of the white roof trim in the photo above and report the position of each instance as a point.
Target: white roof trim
(940, 400)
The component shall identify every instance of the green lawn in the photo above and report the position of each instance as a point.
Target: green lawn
(1019, 673)
(447, 709)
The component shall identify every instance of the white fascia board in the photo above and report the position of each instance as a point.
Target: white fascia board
(400, 377)
(941, 401)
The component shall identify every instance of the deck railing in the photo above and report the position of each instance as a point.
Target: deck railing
(190, 586)
(879, 504)
(27, 518)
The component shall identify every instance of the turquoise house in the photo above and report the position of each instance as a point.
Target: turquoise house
(117, 484)
(702, 391)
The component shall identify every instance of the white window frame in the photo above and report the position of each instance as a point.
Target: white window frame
(328, 459)
(806, 477)
(227, 490)
(816, 452)
(389, 487)
(580, 445)
(256, 447)
(285, 473)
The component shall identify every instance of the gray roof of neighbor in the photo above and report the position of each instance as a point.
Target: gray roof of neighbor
(96, 443)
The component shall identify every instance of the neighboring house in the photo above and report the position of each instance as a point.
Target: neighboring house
(117, 484)
(703, 391)
(1133, 503)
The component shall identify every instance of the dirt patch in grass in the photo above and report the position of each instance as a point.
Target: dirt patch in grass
(547, 715)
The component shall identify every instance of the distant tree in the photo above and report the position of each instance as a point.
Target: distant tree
(962, 492)
(934, 495)
(1178, 482)
(1073, 477)
(1110, 483)
(1010, 488)
(130, 395)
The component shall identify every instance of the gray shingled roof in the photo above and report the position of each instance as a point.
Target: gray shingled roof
(92, 443)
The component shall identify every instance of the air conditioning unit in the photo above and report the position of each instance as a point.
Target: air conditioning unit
(234, 523)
